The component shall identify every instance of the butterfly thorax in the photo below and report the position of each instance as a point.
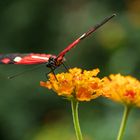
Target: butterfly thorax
(53, 63)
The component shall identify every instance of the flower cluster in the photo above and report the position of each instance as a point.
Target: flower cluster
(80, 84)
(123, 89)
(83, 85)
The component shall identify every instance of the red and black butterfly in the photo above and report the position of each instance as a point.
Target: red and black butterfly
(51, 61)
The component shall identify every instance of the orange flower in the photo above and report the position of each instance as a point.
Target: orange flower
(82, 85)
(123, 89)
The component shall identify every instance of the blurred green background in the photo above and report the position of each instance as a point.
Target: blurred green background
(30, 112)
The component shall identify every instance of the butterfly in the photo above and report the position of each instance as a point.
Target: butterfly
(51, 61)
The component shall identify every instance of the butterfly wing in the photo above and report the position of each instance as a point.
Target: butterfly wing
(73, 44)
(24, 59)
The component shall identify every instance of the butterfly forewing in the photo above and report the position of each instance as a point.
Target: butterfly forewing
(24, 59)
(86, 34)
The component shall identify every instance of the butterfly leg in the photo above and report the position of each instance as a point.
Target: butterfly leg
(66, 66)
(52, 71)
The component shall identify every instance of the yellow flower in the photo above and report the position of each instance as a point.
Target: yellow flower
(123, 89)
(77, 83)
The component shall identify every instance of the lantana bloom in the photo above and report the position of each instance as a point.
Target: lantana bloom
(80, 84)
(123, 89)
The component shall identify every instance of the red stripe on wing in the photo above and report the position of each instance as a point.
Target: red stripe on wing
(32, 59)
(5, 61)
(61, 55)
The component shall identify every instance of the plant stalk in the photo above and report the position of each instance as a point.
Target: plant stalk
(74, 106)
(123, 122)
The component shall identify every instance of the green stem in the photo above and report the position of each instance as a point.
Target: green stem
(123, 122)
(74, 106)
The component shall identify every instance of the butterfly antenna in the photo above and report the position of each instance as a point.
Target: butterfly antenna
(20, 73)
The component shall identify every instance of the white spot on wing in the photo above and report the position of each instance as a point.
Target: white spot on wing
(40, 57)
(17, 59)
(82, 35)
